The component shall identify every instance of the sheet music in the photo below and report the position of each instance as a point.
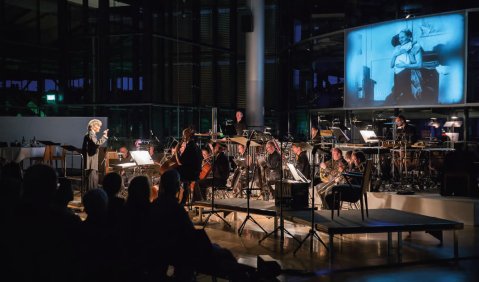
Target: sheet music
(297, 175)
(368, 136)
(142, 157)
(126, 165)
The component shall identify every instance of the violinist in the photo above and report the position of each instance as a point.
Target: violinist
(188, 156)
(220, 170)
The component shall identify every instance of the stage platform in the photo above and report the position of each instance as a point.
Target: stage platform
(462, 209)
(349, 222)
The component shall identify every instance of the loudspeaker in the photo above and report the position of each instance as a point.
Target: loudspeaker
(247, 23)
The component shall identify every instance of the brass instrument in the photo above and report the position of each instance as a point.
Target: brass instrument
(326, 187)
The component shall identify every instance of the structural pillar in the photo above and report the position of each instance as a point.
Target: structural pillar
(255, 67)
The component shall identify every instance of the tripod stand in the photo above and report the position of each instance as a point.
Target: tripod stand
(248, 194)
(312, 231)
(213, 190)
(281, 218)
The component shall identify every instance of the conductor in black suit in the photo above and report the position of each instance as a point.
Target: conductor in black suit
(90, 151)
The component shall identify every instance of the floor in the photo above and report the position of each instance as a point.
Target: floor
(361, 257)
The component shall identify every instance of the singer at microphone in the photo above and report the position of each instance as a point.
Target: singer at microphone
(90, 150)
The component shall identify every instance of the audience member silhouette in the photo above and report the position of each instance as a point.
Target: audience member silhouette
(42, 238)
(176, 236)
(10, 189)
(134, 227)
(63, 196)
(112, 184)
(98, 252)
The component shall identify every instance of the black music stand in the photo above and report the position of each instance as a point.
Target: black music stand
(49, 143)
(281, 218)
(312, 231)
(248, 192)
(77, 150)
(213, 190)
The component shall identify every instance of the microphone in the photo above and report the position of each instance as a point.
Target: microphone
(151, 133)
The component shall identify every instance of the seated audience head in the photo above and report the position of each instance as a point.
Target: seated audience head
(40, 184)
(12, 170)
(170, 183)
(112, 183)
(95, 202)
(64, 194)
(139, 191)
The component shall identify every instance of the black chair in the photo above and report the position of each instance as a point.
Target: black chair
(361, 196)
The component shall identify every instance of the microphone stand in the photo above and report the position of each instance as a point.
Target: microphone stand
(248, 192)
(312, 231)
(281, 218)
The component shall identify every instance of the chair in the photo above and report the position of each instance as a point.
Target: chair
(49, 156)
(362, 196)
(110, 155)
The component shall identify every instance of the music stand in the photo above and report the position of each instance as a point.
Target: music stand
(74, 149)
(248, 189)
(213, 190)
(281, 218)
(142, 157)
(49, 143)
(339, 134)
(312, 231)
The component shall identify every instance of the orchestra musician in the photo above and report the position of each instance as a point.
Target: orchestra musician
(220, 169)
(302, 162)
(273, 168)
(315, 135)
(188, 157)
(240, 124)
(330, 173)
(205, 172)
(404, 131)
(348, 191)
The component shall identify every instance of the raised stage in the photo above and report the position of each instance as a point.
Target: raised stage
(349, 222)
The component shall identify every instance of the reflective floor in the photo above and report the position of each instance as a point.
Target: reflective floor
(361, 257)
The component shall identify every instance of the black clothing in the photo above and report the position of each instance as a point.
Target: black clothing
(406, 133)
(273, 166)
(240, 126)
(220, 174)
(302, 164)
(190, 160)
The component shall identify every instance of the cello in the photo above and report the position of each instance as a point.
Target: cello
(205, 170)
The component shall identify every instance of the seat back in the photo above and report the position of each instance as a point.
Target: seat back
(367, 177)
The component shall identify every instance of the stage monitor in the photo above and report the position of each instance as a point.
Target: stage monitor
(408, 63)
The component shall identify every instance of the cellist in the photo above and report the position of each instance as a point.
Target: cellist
(221, 169)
